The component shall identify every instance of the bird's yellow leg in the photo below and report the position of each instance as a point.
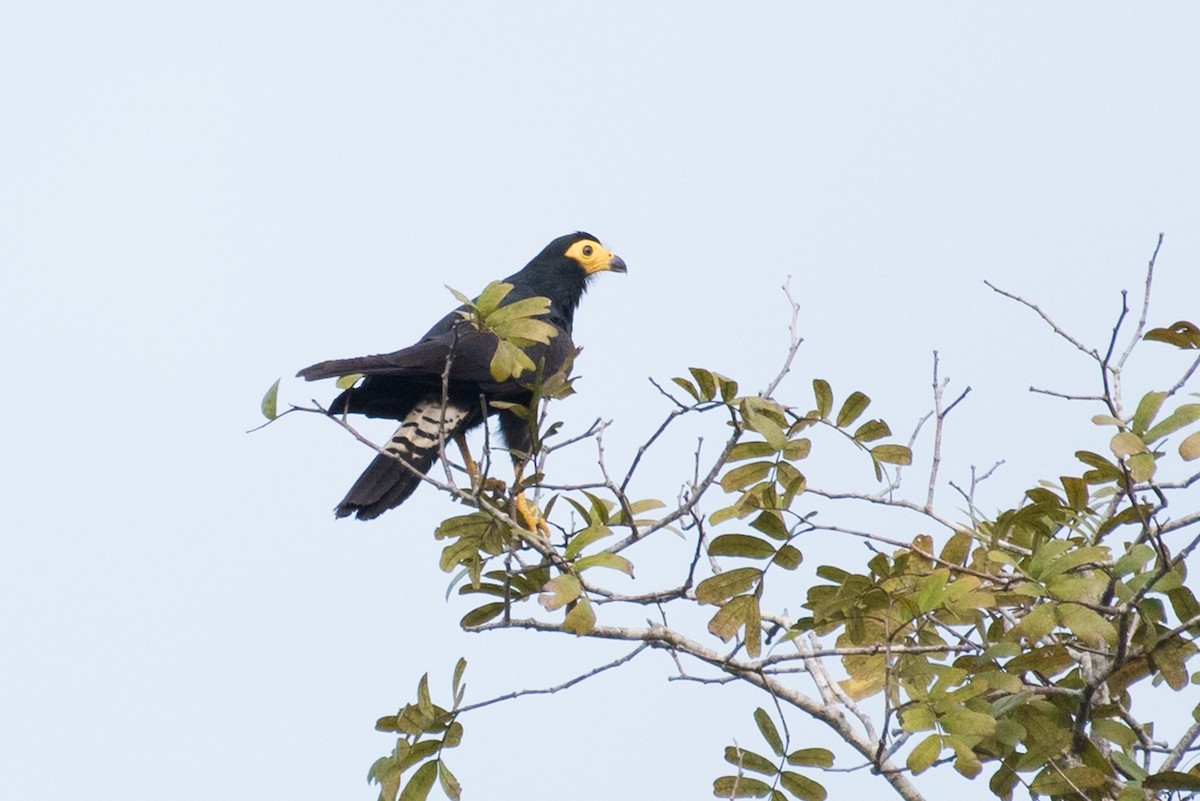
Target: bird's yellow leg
(527, 513)
(460, 439)
(477, 480)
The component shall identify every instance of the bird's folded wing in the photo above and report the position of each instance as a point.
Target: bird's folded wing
(469, 355)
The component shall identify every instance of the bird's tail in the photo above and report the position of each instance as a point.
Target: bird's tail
(395, 474)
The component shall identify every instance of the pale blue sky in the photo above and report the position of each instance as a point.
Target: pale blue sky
(196, 198)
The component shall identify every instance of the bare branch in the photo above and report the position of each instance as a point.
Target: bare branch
(1185, 378)
(1053, 325)
(794, 339)
(940, 413)
(668, 639)
(1066, 396)
(897, 503)
(1182, 748)
(1141, 325)
(558, 687)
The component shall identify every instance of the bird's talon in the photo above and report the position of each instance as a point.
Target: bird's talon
(531, 517)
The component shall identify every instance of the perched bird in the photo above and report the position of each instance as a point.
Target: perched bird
(407, 385)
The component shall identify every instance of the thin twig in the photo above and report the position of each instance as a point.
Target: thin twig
(558, 687)
(1141, 325)
(1053, 325)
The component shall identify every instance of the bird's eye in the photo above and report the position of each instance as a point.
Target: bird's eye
(587, 250)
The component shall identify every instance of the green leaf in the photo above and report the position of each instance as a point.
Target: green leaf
(1142, 466)
(1077, 492)
(771, 523)
(1058, 781)
(1184, 604)
(802, 787)
(791, 481)
(418, 752)
(748, 760)
(581, 619)
(811, 758)
(270, 401)
(1133, 561)
(1130, 766)
(705, 381)
(742, 545)
(387, 775)
(688, 387)
(525, 332)
(750, 450)
(347, 381)
(1091, 627)
(917, 718)
(491, 296)
(1035, 625)
(739, 612)
(594, 532)
(424, 703)
(740, 787)
(450, 785)
(1189, 449)
(824, 397)
(1126, 443)
(797, 449)
(852, 409)
(559, 591)
(605, 559)
(965, 760)
(964, 723)
(956, 548)
(726, 585)
(453, 736)
(1147, 410)
(871, 431)
(766, 418)
(518, 310)
(460, 297)
(741, 477)
(766, 727)
(925, 754)
(509, 361)
(1115, 732)
(893, 454)
(931, 592)
(421, 783)
(1072, 559)
(1182, 334)
(727, 386)
(1103, 470)
(1004, 781)
(1171, 780)
(788, 557)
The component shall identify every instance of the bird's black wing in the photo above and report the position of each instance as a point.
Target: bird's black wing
(469, 353)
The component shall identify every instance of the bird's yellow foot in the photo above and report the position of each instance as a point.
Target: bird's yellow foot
(530, 516)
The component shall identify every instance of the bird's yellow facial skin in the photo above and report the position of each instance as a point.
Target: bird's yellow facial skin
(592, 256)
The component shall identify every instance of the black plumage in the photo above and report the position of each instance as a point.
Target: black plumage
(407, 385)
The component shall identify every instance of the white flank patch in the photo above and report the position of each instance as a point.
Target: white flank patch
(420, 430)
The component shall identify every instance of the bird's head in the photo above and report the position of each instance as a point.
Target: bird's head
(561, 273)
(588, 253)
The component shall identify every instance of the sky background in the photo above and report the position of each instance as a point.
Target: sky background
(196, 198)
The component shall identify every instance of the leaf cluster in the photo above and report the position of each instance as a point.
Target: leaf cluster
(425, 731)
(516, 326)
(1021, 644)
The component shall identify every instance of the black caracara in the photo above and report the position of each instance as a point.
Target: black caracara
(407, 385)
